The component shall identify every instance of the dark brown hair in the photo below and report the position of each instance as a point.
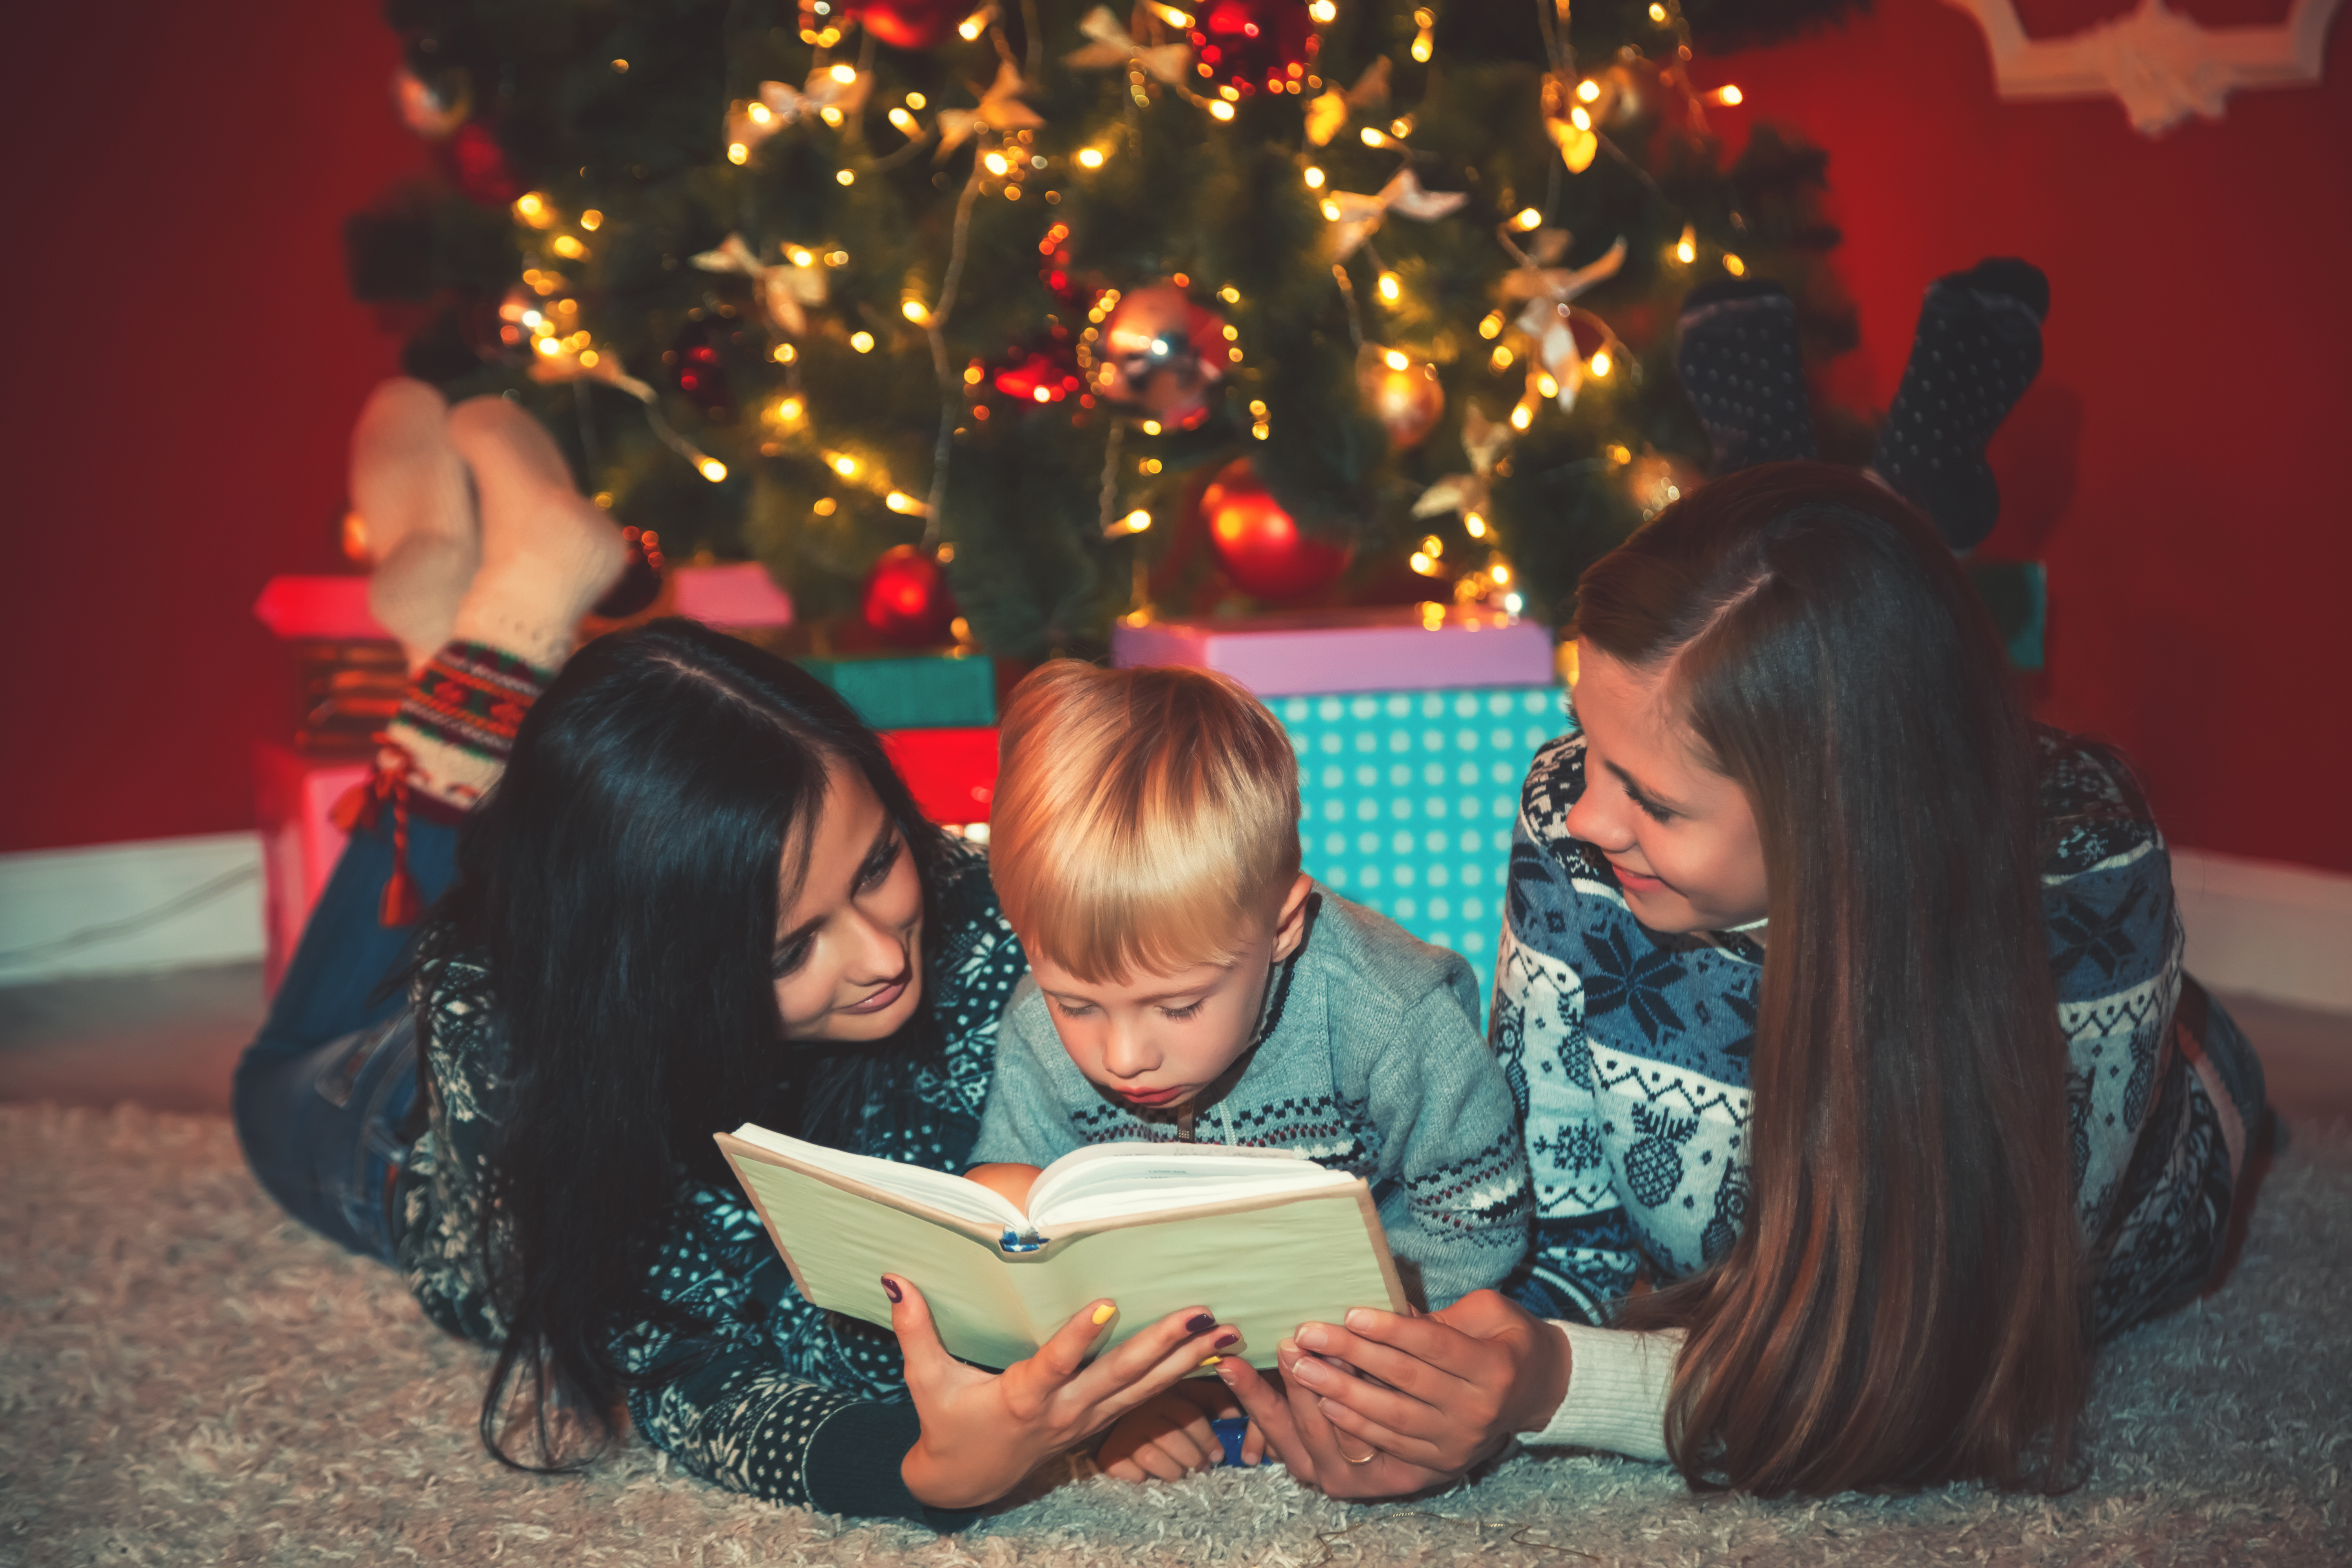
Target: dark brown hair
(1903, 1305)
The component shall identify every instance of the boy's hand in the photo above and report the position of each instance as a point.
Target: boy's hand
(1168, 1438)
(1008, 1181)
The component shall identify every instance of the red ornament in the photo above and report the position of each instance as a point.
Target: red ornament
(1259, 544)
(1039, 377)
(1250, 44)
(1406, 399)
(479, 165)
(911, 24)
(907, 598)
(1162, 353)
(697, 362)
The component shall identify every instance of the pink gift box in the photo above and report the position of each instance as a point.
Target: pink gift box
(1399, 647)
(294, 802)
(334, 609)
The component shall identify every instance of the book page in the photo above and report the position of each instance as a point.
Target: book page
(933, 1189)
(1111, 1180)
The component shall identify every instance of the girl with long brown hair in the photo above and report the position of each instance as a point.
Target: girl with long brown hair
(1844, 1004)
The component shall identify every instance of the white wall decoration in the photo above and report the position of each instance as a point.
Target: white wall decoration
(2164, 66)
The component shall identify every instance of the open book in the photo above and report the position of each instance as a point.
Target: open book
(1264, 1238)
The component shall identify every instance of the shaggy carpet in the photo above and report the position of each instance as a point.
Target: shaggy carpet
(186, 1376)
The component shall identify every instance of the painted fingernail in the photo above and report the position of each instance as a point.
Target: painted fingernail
(1104, 1314)
(1226, 1340)
(890, 1287)
(1199, 1323)
(1211, 1361)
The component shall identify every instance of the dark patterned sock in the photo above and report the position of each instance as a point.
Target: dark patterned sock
(1738, 363)
(1977, 348)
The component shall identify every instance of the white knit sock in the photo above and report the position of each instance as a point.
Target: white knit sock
(409, 486)
(547, 552)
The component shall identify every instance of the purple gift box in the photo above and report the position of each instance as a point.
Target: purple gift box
(1389, 647)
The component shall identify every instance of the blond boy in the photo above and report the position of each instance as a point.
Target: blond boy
(1189, 983)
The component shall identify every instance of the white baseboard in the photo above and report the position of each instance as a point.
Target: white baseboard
(2254, 926)
(2267, 928)
(112, 909)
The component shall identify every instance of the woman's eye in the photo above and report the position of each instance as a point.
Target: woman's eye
(879, 867)
(788, 959)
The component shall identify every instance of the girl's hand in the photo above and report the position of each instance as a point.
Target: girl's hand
(1007, 1180)
(982, 1432)
(1452, 1389)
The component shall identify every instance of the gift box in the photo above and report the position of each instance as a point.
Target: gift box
(1380, 648)
(1407, 800)
(295, 792)
(951, 773)
(937, 692)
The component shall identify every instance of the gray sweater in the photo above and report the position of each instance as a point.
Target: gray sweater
(1372, 1063)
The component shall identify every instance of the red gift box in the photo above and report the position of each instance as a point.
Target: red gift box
(951, 772)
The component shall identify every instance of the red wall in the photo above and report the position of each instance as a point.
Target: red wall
(2178, 464)
(185, 364)
(187, 367)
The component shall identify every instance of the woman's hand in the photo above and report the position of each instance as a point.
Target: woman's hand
(1450, 1390)
(982, 1432)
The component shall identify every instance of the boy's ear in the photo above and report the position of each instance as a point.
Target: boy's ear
(1290, 925)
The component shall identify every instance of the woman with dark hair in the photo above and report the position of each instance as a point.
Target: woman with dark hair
(691, 891)
(1844, 1003)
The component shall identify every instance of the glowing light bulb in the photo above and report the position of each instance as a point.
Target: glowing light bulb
(1547, 386)
(1499, 573)
(1391, 289)
(802, 258)
(971, 26)
(1686, 248)
(789, 409)
(845, 178)
(1522, 416)
(785, 353)
(862, 342)
(1220, 109)
(1324, 11)
(712, 469)
(569, 249)
(1474, 525)
(620, 68)
(530, 206)
(1230, 295)
(1528, 218)
(1371, 136)
(1396, 360)
(1401, 127)
(914, 311)
(916, 101)
(1733, 265)
(899, 501)
(1423, 564)
(1727, 94)
(1041, 395)
(1090, 158)
(824, 506)
(1658, 14)
(1578, 118)
(996, 164)
(1423, 46)
(1491, 325)
(1620, 454)
(844, 464)
(1313, 178)
(1600, 361)
(1433, 547)
(1501, 358)
(1151, 426)
(1148, 465)
(1136, 521)
(1331, 211)
(551, 347)
(592, 220)
(844, 75)
(738, 154)
(1588, 90)
(906, 123)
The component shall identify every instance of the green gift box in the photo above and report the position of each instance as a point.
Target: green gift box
(929, 692)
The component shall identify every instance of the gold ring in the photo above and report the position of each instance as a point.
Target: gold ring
(1351, 1459)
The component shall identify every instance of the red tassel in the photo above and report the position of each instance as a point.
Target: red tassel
(359, 807)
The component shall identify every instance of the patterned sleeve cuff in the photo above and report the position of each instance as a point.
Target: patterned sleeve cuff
(1617, 1388)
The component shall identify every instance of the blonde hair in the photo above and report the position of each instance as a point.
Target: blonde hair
(1144, 819)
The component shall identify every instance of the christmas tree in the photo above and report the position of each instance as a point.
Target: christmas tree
(1098, 313)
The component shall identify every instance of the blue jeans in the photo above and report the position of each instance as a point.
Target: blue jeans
(324, 1097)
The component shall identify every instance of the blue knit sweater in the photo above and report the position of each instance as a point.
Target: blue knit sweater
(1628, 1054)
